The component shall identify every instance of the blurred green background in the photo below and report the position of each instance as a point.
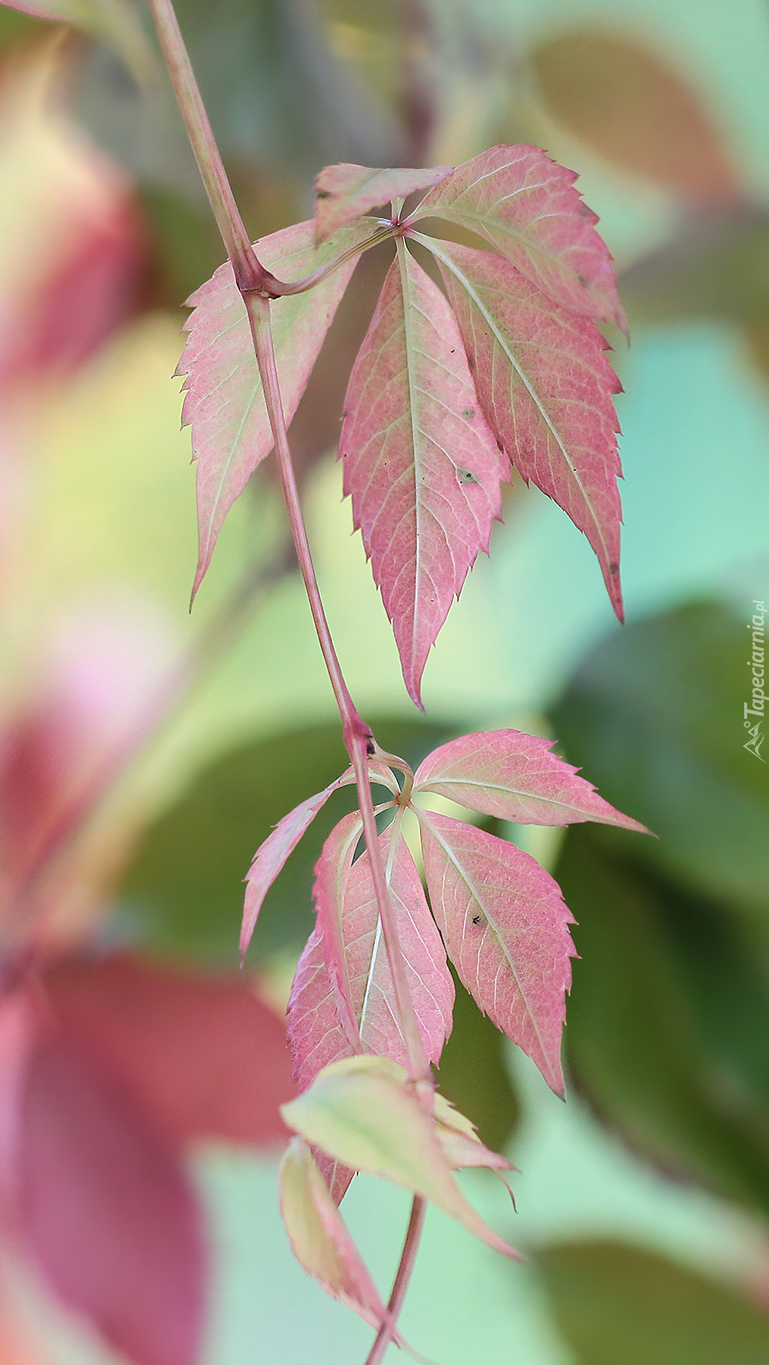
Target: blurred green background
(643, 1201)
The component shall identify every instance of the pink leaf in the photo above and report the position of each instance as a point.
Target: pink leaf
(546, 389)
(525, 204)
(332, 874)
(345, 192)
(515, 777)
(107, 1211)
(224, 402)
(199, 1052)
(272, 855)
(505, 927)
(419, 460)
(315, 1032)
(319, 1237)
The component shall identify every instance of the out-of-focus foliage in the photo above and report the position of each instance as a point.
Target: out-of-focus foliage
(667, 1025)
(616, 1303)
(629, 105)
(655, 717)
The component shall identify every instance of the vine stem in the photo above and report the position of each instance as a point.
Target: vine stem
(402, 1278)
(256, 288)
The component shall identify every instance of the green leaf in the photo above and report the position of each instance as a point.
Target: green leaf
(618, 1305)
(363, 1111)
(716, 266)
(654, 717)
(667, 1032)
(183, 894)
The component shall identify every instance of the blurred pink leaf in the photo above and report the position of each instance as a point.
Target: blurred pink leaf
(73, 241)
(345, 192)
(319, 1237)
(546, 389)
(504, 923)
(99, 681)
(106, 1209)
(420, 463)
(517, 777)
(525, 204)
(224, 403)
(199, 1053)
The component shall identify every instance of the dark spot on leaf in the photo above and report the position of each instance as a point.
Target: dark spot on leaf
(614, 568)
(583, 280)
(323, 194)
(466, 475)
(453, 349)
(468, 413)
(477, 919)
(470, 363)
(500, 447)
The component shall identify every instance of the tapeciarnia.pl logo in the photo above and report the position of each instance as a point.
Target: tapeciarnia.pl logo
(755, 707)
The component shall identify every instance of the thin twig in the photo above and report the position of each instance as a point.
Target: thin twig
(401, 1283)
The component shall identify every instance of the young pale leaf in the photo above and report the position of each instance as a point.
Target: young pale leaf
(224, 403)
(363, 1112)
(526, 205)
(546, 388)
(422, 467)
(516, 777)
(460, 1143)
(505, 926)
(315, 1032)
(345, 192)
(319, 1237)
